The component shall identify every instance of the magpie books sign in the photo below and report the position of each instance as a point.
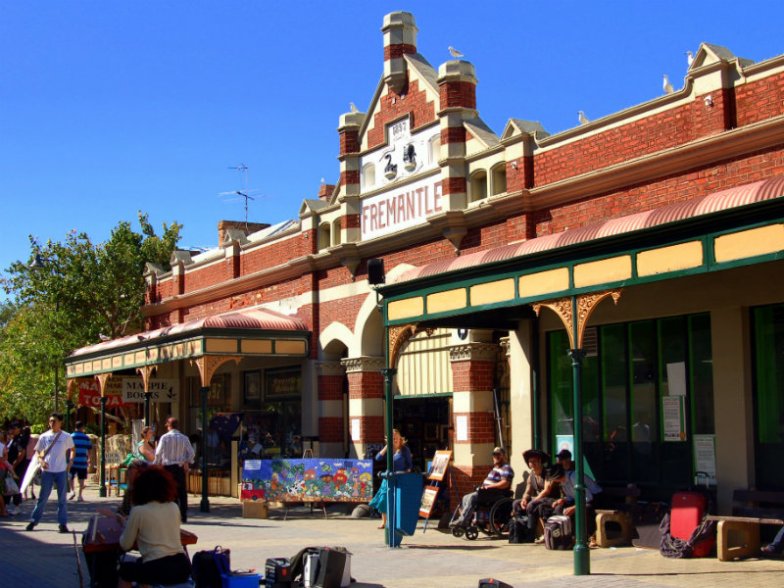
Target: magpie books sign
(163, 390)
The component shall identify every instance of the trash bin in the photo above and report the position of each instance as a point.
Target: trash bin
(408, 496)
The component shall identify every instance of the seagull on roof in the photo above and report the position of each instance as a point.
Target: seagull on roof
(666, 85)
(454, 52)
(103, 337)
(353, 108)
(689, 58)
(582, 118)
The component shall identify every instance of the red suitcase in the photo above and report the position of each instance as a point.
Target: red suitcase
(686, 514)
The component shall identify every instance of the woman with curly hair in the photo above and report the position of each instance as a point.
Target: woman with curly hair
(154, 527)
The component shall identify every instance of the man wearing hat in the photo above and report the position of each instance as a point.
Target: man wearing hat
(565, 476)
(497, 481)
(535, 503)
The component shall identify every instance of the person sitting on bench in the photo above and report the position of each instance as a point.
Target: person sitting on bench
(537, 501)
(494, 486)
(565, 474)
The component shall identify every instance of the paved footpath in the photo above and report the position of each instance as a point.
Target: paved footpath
(45, 558)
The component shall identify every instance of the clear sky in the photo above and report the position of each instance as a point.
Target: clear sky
(110, 107)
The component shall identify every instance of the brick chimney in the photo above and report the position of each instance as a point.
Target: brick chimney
(399, 38)
(325, 191)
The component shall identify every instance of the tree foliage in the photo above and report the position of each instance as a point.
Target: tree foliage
(66, 295)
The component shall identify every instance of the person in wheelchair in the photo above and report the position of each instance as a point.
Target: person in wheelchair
(496, 485)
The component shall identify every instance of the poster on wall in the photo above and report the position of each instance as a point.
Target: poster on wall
(705, 459)
(307, 480)
(672, 417)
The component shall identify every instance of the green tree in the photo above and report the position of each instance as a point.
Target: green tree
(69, 294)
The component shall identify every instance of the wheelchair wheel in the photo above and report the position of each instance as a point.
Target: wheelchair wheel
(500, 515)
(458, 531)
(471, 533)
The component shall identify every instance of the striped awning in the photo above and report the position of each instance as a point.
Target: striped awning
(246, 332)
(704, 205)
(730, 228)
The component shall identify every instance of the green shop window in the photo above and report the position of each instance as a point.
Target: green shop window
(768, 325)
(648, 389)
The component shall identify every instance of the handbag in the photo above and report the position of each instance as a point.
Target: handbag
(11, 487)
(208, 566)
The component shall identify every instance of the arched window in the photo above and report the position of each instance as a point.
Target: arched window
(477, 188)
(336, 231)
(499, 179)
(368, 176)
(324, 240)
(435, 149)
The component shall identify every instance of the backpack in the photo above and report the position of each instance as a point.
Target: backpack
(558, 532)
(519, 531)
(208, 566)
(701, 543)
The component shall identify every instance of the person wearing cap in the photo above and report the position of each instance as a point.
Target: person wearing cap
(535, 502)
(566, 478)
(498, 480)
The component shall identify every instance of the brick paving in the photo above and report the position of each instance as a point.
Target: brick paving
(45, 558)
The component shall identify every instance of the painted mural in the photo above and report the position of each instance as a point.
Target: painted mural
(308, 480)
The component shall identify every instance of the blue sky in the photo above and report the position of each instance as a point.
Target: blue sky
(109, 107)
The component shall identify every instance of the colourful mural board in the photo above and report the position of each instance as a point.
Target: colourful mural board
(308, 480)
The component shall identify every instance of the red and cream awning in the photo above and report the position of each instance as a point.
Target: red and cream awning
(246, 332)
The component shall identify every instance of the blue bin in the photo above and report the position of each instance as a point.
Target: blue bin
(408, 497)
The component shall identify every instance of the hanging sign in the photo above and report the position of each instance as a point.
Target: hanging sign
(163, 390)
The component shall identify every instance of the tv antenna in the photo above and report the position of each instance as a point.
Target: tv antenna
(245, 193)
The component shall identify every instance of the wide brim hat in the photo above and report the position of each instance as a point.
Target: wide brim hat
(527, 455)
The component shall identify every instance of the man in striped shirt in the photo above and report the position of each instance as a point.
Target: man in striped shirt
(175, 453)
(80, 461)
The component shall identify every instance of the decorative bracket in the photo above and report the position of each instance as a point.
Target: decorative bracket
(209, 364)
(585, 305)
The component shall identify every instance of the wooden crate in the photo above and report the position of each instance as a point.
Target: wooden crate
(255, 509)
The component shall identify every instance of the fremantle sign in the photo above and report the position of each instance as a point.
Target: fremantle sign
(402, 208)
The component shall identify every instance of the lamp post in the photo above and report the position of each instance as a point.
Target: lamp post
(205, 501)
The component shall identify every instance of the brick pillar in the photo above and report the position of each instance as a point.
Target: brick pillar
(348, 129)
(457, 89)
(473, 367)
(366, 402)
(399, 39)
(331, 379)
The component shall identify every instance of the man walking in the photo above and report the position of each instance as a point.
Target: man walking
(54, 449)
(81, 460)
(16, 456)
(175, 453)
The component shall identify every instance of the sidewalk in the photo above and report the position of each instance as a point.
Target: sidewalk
(44, 558)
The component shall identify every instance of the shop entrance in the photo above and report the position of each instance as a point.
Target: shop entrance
(425, 422)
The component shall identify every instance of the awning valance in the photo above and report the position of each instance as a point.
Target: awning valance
(738, 226)
(247, 332)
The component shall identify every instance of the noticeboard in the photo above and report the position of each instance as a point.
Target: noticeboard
(307, 480)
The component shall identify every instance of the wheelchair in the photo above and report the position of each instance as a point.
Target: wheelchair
(491, 517)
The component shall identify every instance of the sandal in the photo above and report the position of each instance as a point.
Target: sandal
(592, 544)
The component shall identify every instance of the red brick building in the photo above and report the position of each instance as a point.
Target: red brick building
(672, 207)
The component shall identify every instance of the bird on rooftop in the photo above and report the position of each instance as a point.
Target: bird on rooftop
(103, 337)
(582, 118)
(454, 52)
(689, 58)
(666, 85)
(353, 107)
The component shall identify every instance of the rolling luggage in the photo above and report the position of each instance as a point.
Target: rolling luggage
(558, 532)
(685, 532)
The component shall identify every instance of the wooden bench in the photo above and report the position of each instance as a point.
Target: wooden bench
(615, 526)
(738, 536)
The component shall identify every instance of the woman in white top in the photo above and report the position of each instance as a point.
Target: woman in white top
(154, 528)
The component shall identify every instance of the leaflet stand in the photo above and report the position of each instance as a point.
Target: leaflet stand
(435, 479)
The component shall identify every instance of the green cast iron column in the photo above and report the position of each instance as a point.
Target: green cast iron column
(389, 375)
(582, 557)
(102, 487)
(205, 501)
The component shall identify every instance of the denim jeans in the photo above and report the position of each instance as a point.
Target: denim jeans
(49, 479)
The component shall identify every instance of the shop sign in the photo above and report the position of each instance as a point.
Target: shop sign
(162, 389)
(90, 394)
